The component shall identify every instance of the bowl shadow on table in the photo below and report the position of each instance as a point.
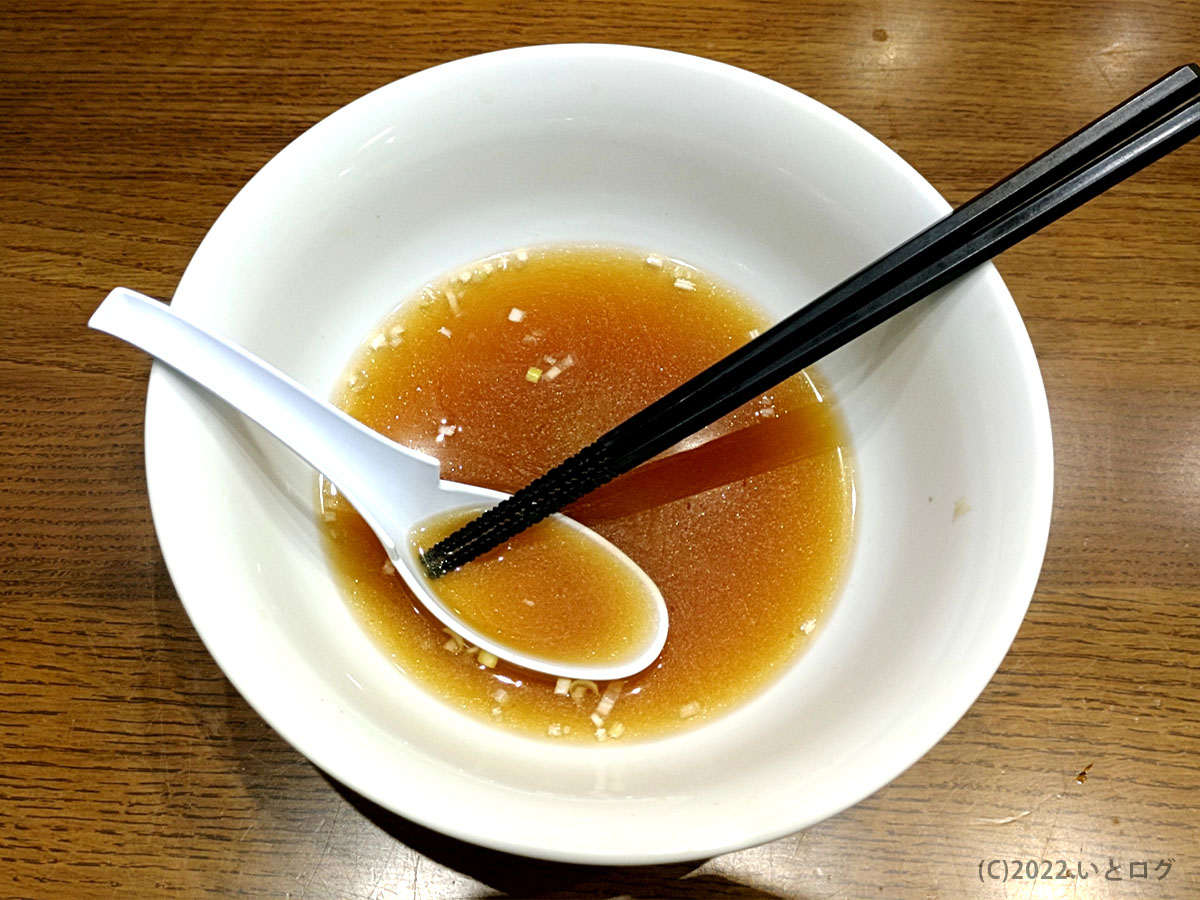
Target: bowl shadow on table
(519, 876)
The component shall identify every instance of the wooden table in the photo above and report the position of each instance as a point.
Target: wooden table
(128, 765)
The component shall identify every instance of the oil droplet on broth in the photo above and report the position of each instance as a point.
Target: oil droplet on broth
(596, 610)
(503, 368)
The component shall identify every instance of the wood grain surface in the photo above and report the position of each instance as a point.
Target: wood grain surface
(128, 765)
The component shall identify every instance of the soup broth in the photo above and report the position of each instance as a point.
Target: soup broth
(595, 610)
(509, 365)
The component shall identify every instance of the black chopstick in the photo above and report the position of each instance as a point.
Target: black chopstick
(1134, 134)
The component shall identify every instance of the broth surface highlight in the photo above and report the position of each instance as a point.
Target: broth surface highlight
(511, 364)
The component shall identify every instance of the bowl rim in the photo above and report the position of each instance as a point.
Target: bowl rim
(931, 733)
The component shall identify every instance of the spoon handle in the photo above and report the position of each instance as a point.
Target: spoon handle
(341, 448)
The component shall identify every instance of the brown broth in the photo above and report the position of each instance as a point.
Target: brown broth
(595, 611)
(512, 364)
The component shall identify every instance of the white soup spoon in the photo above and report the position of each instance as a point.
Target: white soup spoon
(391, 486)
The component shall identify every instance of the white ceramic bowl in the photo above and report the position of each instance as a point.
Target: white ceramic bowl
(755, 183)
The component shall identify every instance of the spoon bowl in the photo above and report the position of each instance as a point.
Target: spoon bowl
(392, 487)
